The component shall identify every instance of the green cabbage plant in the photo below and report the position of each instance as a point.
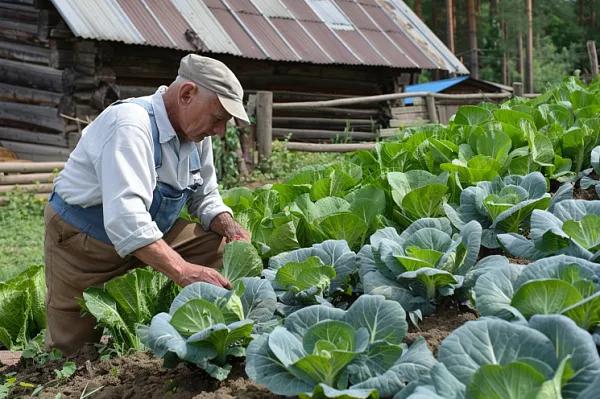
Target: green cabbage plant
(324, 352)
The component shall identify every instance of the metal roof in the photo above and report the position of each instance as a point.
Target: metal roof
(355, 32)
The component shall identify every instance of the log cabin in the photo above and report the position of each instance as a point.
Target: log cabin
(63, 61)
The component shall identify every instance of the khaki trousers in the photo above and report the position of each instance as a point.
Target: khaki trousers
(75, 261)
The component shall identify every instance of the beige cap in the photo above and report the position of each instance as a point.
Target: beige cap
(217, 77)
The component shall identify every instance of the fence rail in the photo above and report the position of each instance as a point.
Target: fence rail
(265, 132)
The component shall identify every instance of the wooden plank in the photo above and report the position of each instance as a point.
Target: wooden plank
(20, 31)
(50, 151)
(330, 112)
(404, 123)
(24, 52)
(593, 55)
(27, 178)
(30, 167)
(15, 12)
(409, 109)
(415, 116)
(25, 136)
(431, 109)
(311, 147)
(283, 121)
(388, 97)
(22, 115)
(28, 95)
(36, 188)
(29, 75)
(389, 132)
(313, 134)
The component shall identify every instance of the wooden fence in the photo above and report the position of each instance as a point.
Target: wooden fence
(426, 111)
(36, 177)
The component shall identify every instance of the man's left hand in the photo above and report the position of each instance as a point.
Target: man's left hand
(225, 225)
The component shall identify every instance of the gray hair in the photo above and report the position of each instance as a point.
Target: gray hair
(202, 91)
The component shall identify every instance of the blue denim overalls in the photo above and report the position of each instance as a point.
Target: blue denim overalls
(167, 202)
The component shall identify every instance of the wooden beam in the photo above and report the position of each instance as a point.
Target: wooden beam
(264, 123)
(432, 110)
(25, 53)
(474, 51)
(313, 134)
(330, 112)
(27, 95)
(518, 90)
(279, 121)
(30, 167)
(36, 188)
(591, 47)
(312, 147)
(27, 178)
(36, 76)
(11, 134)
(17, 114)
(387, 97)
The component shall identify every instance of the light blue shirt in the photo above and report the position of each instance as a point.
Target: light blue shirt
(113, 164)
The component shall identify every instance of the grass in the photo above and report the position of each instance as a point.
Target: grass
(21, 234)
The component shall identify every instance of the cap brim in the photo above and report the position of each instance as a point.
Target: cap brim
(236, 109)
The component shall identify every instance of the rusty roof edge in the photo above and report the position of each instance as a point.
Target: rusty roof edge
(160, 25)
(245, 28)
(441, 49)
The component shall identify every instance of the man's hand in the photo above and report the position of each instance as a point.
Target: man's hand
(164, 259)
(224, 225)
(191, 273)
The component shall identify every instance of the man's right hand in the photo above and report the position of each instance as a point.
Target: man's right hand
(164, 259)
(191, 273)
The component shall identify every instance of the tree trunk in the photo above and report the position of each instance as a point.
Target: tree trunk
(419, 8)
(472, 22)
(434, 15)
(520, 60)
(493, 9)
(505, 75)
(581, 12)
(593, 13)
(450, 24)
(529, 46)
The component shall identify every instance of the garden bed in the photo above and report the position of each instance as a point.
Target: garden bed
(142, 376)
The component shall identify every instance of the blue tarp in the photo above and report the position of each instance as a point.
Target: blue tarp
(434, 87)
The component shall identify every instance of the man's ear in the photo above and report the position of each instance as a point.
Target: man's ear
(187, 92)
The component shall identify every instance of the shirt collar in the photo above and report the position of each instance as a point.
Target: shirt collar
(165, 129)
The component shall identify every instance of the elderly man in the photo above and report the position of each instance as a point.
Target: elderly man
(116, 204)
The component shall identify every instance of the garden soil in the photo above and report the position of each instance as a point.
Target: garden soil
(142, 375)
(436, 327)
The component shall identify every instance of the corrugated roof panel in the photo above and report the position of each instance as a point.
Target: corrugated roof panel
(411, 50)
(172, 21)
(268, 37)
(301, 10)
(383, 20)
(145, 23)
(387, 48)
(362, 48)
(239, 35)
(98, 19)
(242, 6)
(215, 4)
(330, 43)
(329, 13)
(273, 8)
(204, 23)
(303, 44)
(356, 15)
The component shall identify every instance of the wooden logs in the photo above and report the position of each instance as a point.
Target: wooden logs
(29, 75)
(321, 135)
(27, 95)
(312, 147)
(31, 115)
(25, 136)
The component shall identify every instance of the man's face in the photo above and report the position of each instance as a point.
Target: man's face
(200, 116)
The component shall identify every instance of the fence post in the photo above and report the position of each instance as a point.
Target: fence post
(264, 124)
(591, 47)
(518, 89)
(431, 109)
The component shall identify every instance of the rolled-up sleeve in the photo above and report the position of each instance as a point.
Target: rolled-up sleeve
(206, 203)
(125, 171)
